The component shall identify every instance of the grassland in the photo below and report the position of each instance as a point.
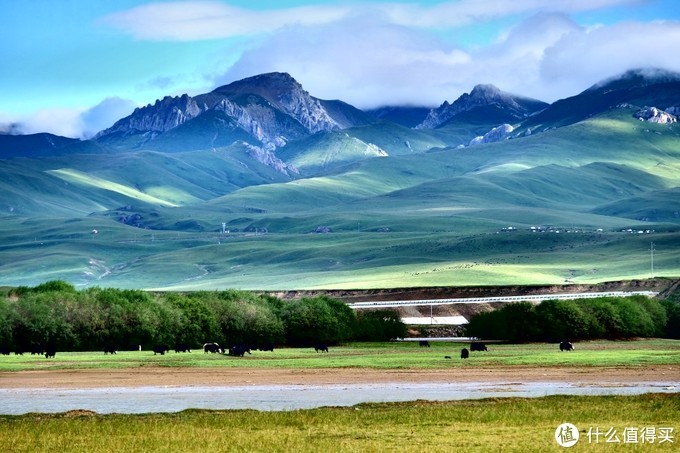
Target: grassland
(522, 425)
(378, 356)
(413, 219)
(493, 424)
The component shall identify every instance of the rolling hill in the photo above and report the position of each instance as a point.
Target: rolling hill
(259, 185)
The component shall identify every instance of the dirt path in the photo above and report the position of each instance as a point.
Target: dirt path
(157, 376)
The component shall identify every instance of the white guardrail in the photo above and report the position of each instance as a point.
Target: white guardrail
(481, 300)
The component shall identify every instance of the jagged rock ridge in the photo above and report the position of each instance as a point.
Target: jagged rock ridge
(273, 108)
(482, 96)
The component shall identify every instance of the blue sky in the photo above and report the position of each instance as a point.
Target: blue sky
(72, 67)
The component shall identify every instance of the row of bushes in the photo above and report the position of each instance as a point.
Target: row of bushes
(55, 313)
(555, 320)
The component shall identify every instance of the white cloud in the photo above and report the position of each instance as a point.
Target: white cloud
(465, 12)
(358, 61)
(199, 20)
(58, 121)
(371, 54)
(104, 114)
(71, 122)
(369, 63)
(588, 56)
(187, 21)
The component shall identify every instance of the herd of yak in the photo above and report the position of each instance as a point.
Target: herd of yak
(479, 346)
(240, 349)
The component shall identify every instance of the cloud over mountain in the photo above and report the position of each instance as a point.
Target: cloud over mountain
(370, 54)
(74, 122)
(369, 62)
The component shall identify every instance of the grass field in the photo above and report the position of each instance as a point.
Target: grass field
(125, 257)
(493, 424)
(413, 219)
(397, 355)
(522, 425)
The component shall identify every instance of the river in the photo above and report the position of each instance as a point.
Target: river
(134, 400)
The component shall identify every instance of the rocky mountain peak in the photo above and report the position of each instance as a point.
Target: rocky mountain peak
(285, 93)
(270, 86)
(482, 95)
(485, 91)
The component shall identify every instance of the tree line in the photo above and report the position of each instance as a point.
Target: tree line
(55, 313)
(581, 319)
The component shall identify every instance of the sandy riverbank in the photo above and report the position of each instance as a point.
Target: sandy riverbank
(163, 376)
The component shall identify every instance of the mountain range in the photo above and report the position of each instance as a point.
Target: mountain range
(258, 184)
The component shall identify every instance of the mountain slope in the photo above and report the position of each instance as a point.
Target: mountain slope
(403, 115)
(637, 87)
(482, 96)
(34, 145)
(377, 204)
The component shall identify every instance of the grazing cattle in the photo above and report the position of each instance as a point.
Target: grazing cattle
(239, 350)
(266, 347)
(320, 347)
(50, 351)
(160, 349)
(464, 353)
(182, 347)
(477, 346)
(213, 348)
(110, 349)
(37, 349)
(4, 351)
(566, 346)
(424, 344)
(447, 356)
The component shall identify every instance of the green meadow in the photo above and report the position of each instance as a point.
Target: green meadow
(393, 355)
(492, 424)
(429, 216)
(495, 424)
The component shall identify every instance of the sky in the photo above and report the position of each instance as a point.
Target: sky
(73, 67)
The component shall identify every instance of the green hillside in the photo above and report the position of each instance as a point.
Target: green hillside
(579, 203)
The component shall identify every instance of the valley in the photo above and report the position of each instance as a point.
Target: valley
(329, 197)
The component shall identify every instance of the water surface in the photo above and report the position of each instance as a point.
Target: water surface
(127, 400)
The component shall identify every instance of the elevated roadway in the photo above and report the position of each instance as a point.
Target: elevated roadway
(534, 298)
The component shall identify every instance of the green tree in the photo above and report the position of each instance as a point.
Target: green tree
(40, 319)
(672, 329)
(379, 325)
(520, 322)
(319, 319)
(488, 324)
(565, 319)
(6, 323)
